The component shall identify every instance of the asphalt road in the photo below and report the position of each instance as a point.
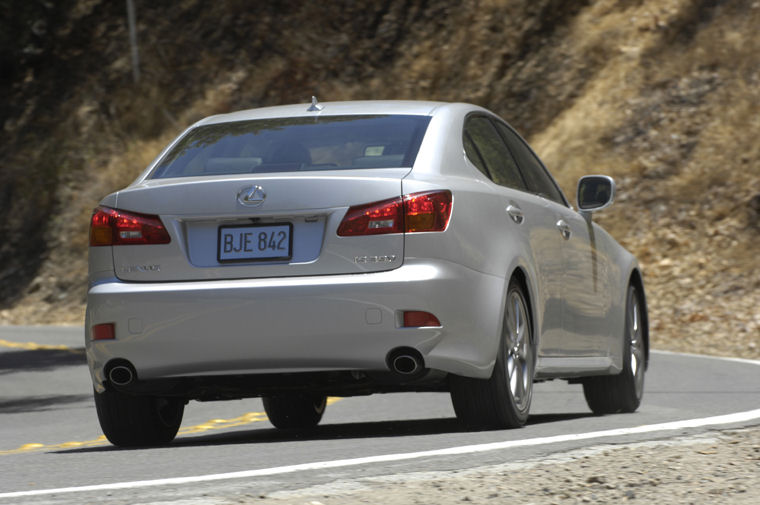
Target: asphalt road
(49, 433)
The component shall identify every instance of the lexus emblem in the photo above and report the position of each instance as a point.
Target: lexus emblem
(252, 196)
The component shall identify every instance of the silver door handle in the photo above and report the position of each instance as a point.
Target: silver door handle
(515, 213)
(564, 229)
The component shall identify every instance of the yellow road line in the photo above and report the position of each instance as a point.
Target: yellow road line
(210, 425)
(32, 346)
(101, 440)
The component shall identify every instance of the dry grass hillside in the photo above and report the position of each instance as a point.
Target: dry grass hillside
(664, 95)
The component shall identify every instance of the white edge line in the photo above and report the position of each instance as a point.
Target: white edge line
(707, 356)
(738, 417)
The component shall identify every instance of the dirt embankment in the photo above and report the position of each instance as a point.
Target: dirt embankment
(662, 95)
(719, 467)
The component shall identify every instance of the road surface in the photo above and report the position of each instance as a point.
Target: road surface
(51, 448)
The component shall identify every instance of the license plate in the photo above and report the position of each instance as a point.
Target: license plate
(255, 243)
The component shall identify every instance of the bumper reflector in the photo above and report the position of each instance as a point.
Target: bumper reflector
(105, 331)
(418, 318)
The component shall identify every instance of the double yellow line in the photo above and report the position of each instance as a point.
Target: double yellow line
(210, 425)
(31, 346)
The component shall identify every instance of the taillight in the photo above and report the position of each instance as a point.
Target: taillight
(428, 211)
(117, 227)
(373, 219)
(418, 212)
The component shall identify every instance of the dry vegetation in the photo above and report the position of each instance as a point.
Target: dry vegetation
(664, 95)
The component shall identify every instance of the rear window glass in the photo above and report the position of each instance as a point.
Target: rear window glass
(295, 144)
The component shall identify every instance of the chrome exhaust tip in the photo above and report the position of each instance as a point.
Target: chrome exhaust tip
(406, 362)
(121, 375)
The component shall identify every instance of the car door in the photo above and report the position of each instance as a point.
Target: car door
(531, 218)
(584, 314)
(581, 296)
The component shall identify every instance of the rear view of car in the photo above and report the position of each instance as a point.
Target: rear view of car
(241, 251)
(298, 252)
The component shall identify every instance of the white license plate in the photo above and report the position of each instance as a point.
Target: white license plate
(253, 243)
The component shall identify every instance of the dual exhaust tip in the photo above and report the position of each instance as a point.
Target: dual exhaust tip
(403, 361)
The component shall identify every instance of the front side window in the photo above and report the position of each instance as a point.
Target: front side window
(295, 144)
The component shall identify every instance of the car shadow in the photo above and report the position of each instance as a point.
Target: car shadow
(341, 431)
(40, 359)
(555, 418)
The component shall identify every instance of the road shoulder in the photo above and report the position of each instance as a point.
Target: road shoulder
(719, 465)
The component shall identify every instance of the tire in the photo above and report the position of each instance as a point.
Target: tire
(138, 421)
(503, 400)
(295, 412)
(623, 392)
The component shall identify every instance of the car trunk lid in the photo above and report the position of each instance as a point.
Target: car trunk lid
(270, 225)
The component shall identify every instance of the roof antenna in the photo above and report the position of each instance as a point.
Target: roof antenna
(315, 105)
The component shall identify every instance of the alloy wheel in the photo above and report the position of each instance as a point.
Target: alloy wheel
(519, 349)
(635, 334)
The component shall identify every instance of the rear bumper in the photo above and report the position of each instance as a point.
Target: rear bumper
(297, 324)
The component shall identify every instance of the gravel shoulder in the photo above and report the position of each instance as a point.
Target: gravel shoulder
(716, 467)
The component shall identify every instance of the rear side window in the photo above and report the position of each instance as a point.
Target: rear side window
(295, 144)
(538, 178)
(487, 151)
(473, 155)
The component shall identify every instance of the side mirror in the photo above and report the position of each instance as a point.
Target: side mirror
(595, 192)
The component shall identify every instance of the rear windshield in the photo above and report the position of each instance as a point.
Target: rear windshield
(295, 144)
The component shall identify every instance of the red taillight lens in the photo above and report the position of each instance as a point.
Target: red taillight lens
(373, 219)
(117, 227)
(105, 331)
(427, 211)
(418, 212)
(418, 319)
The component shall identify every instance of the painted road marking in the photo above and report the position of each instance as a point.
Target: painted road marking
(210, 425)
(740, 417)
(743, 361)
(32, 346)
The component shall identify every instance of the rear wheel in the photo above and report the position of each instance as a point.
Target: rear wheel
(138, 421)
(503, 400)
(295, 412)
(623, 392)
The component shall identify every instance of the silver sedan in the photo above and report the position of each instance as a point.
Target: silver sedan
(349, 248)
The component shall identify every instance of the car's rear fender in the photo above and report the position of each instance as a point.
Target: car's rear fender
(482, 239)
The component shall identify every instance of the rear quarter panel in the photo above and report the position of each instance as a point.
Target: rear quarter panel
(479, 237)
